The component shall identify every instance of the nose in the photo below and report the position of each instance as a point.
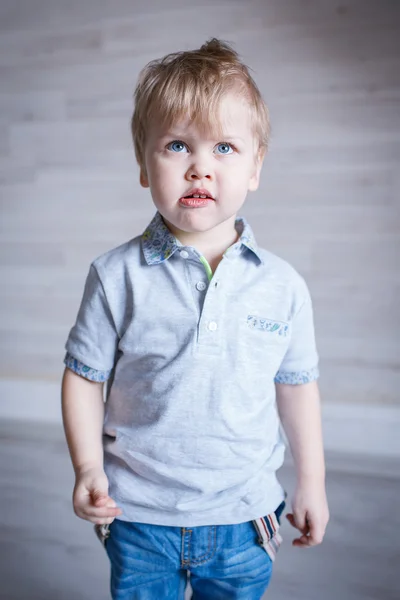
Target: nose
(199, 169)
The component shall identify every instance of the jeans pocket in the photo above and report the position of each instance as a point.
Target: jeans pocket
(103, 533)
(268, 531)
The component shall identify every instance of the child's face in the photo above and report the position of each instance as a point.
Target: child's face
(182, 159)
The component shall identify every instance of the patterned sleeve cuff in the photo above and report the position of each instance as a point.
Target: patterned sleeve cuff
(297, 377)
(81, 369)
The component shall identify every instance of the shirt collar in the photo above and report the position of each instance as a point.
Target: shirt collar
(158, 243)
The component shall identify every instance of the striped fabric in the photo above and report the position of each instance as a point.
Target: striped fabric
(268, 531)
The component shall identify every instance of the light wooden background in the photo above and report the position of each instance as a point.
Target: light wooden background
(329, 197)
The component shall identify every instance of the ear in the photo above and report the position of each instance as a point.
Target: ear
(144, 182)
(255, 178)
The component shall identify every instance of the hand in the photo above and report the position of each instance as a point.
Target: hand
(91, 500)
(310, 514)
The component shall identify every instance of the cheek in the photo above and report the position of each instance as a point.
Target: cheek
(237, 173)
(166, 165)
(155, 170)
(163, 174)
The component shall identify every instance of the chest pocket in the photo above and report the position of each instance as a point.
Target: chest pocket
(270, 327)
(261, 345)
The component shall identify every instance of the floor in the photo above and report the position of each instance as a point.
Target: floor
(47, 553)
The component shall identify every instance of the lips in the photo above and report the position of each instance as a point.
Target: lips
(193, 202)
(196, 198)
(198, 193)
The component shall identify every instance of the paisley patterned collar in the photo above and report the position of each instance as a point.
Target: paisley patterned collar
(158, 243)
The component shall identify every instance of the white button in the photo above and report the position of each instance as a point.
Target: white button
(201, 286)
(212, 326)
(184, 254)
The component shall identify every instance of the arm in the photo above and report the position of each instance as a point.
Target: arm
(83, 415)
(300, 414)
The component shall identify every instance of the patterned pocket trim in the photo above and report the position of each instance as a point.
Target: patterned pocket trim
(277, 327)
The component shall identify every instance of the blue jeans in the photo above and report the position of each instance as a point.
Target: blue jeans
(151, 562)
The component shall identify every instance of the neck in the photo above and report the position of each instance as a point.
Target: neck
(211, 244)
(213, 247)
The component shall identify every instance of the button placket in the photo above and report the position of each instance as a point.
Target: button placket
(209, 334)
(201, 286)
(210, 322)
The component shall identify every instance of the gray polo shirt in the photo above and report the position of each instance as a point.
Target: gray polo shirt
(191, 432)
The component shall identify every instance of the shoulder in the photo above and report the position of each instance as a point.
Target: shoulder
(115, 261)
(287, 281)
(280, 269)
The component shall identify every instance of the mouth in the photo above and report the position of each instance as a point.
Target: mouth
(196, 198)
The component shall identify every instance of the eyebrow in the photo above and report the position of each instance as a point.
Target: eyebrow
(180, 135)
(232, 137)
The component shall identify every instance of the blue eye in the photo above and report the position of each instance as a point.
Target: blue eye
(177, 146)
(224, 148)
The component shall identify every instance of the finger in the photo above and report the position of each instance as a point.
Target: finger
(301, 521)
(294, 523)
(102, 513)
(313, 538)
(99, 498)
(106, 502)
(96, 519)
(290, 518)
(316, 534)
(88, 511)
(103, 521)
(302, 542)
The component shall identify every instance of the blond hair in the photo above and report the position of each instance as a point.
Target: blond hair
(190, 84)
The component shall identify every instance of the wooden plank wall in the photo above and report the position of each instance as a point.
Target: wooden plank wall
(329, 196)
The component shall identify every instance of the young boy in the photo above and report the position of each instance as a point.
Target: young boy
(203, 339)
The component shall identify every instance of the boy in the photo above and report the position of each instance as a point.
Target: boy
(202, 338)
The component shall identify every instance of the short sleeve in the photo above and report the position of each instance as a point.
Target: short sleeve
(300, 363)
(93, 340)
